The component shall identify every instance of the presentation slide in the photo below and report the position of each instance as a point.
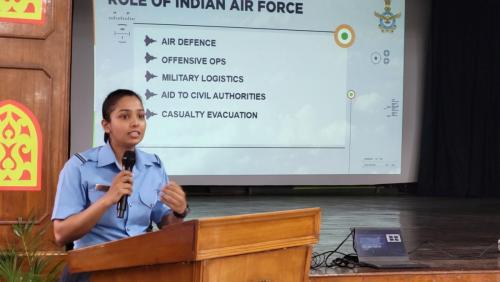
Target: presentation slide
(242, 87)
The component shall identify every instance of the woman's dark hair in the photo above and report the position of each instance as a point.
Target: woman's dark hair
(110, 102)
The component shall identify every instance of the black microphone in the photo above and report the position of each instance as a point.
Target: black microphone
(128, 162)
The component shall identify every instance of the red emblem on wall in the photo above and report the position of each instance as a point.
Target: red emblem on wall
(20, 148)
(23, 11)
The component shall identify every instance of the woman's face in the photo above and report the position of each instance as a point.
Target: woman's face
(127, 123)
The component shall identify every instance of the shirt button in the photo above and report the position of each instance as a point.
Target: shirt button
(128, 229)
(130, 205)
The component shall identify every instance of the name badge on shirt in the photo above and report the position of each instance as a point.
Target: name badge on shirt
(102, 187)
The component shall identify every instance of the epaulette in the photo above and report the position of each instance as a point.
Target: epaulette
(81, 158)
(157, 159)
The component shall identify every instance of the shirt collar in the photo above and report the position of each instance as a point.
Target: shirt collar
(106, 156)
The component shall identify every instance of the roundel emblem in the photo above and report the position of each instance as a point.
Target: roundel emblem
(344, 36)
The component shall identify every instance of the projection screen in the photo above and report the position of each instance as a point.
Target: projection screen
(242, 92)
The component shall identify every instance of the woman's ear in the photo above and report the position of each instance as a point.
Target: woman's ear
(105, 126)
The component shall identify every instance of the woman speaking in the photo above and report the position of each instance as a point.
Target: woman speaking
(92, 183)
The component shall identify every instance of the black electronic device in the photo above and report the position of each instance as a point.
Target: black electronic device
(382, 248)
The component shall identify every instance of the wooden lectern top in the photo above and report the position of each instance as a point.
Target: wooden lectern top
(202, 239)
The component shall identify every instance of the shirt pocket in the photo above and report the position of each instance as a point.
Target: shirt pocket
(148, 198)
(147, 201)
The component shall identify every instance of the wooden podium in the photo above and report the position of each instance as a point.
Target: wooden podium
(264, 247)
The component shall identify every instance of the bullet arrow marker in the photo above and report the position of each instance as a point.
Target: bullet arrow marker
(149, 94)
(149, 57)
(149, 76)
(148, 40)
(150, 114)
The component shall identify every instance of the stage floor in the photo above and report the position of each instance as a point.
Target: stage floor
(448, 234)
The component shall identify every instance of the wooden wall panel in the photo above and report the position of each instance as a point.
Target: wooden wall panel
(34, 71)
(36, 30)
(23, 204)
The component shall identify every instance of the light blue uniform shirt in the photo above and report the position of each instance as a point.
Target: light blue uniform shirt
(76, 191)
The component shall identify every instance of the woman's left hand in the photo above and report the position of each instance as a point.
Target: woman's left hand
(173, 196)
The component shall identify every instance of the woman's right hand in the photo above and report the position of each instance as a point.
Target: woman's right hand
(121, 185)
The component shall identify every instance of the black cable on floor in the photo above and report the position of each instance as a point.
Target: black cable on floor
(327, 260)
